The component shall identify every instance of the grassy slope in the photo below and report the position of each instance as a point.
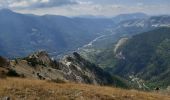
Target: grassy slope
(30, 89)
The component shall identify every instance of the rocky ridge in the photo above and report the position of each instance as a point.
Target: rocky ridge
(71, 68)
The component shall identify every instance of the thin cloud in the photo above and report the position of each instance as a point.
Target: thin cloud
(29, 4)
(87, 7)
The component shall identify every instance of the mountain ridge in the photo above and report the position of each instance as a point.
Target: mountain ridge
(71, 68)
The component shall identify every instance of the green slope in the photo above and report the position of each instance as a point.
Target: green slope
(147, 55)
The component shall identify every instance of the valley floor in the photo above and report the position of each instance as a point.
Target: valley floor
(30, 89)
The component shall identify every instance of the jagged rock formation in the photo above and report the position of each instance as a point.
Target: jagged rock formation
(71, 68)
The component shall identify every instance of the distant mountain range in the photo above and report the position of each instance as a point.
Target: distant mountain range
(118, 18)
(22, 34)
(132, 27)
(125, 17)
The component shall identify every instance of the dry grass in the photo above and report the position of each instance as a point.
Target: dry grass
(29, 89)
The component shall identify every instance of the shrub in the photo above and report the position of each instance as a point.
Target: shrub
(3, 62)
(2, 74)
(57, 80)
(12, 73)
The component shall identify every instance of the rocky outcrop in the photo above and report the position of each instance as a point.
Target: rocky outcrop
(72, 68)
(81, 70)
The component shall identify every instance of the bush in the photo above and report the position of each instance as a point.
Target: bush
(2, 75)
(57, 80)
(12, 73)
(3, 62)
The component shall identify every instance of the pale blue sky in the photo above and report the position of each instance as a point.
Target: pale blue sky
(87, 7)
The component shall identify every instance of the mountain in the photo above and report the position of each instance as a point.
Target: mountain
(101, 51)
(147, 57)
(21, 34)
(90, 16)
(119, 18)
(136, 26)
(142, 59)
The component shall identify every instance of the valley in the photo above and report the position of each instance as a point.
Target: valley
(112, 58)
(55, 57)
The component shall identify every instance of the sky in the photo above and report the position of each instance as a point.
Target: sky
(87, 7)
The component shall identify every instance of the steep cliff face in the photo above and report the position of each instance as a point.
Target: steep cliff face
(70, 68)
